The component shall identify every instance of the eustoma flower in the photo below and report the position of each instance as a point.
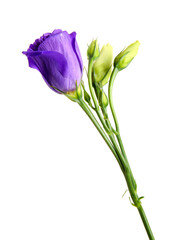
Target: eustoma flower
(57, 57)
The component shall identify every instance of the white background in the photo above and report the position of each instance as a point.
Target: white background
(58, 179)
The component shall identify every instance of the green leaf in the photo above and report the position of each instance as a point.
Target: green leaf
(124, 193)
(132, 203)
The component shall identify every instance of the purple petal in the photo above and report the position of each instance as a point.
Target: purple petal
(56, 31)
(38, 41)
(62, 43)
(76, 49)
(56, 42)
(51, 65)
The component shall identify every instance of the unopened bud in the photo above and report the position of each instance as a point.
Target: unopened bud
(124, 58)
(93, 50)
(102, 66)
(104, 100)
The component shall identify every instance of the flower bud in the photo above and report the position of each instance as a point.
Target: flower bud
(103, 100)
(57, 57)
(93, 50)
(107, 76)
(102, 66)
(124, 58)
(101, 96)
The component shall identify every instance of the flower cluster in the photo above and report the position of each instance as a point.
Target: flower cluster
(57, 57)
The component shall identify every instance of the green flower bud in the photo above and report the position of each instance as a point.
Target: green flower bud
(124, 58)
(93, 50)
(107, 76)
(102, 66)
(101, 96)
(103, 100)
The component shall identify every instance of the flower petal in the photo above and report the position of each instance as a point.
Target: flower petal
(56, 31)
(52, 66)
(62, 43)
(76, 49)
(38, 41)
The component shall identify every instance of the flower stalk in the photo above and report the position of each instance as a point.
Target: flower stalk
(57, 57)
(118, 149)
(126, 171)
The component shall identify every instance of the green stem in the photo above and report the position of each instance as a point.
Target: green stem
(107, 127)
(111, 83)
(138, 205)
(126, 171)
(132, 187)
(146, 223)
(85, 107)
(93, 95)
(111, 136)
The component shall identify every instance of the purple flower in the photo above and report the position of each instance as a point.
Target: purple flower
(57, 57)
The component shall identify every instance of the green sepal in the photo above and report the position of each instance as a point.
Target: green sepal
(73, 95)
(107, 76)
(78, 91)
(87, 98)
(124, 66)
